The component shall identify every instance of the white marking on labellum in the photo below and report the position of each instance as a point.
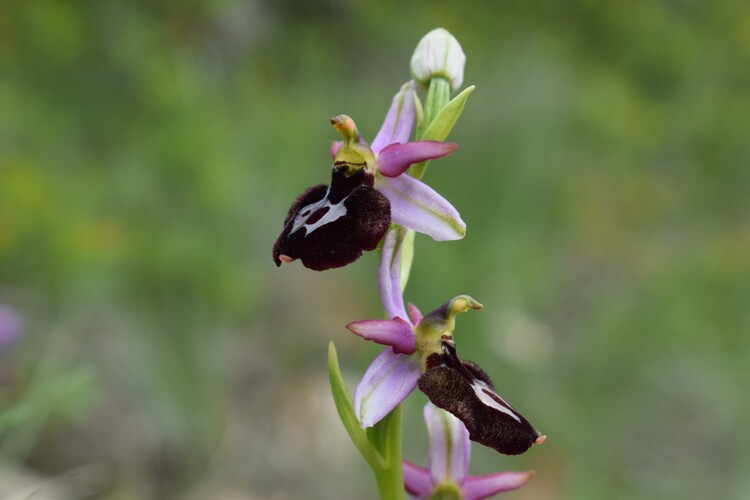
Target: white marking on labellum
(334, 213)
(485, 395)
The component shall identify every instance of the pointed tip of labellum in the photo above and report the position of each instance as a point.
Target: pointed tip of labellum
(285, 259)
(541, 439)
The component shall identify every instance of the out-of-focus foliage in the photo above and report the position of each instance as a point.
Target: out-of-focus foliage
(149, 151)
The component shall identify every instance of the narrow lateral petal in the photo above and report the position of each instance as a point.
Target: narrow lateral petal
(389, 379)
(394, 159)
(476, 488)
(417, 206)
(399, 120)
(396, 333)
(414, 314)
(450, 449)
(389, 280)
(417, 480)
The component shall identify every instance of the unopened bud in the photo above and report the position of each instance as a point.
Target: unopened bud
(438, 54)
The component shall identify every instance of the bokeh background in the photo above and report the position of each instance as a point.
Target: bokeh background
(149, 151)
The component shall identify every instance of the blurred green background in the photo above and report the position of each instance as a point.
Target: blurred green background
(149, 152)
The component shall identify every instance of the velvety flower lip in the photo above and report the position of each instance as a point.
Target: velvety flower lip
(463, 389)
(330, 226)
(448, 460)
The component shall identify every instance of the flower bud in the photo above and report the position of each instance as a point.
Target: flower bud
(439, 54)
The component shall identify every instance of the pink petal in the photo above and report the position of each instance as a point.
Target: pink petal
(417, 479)
(450, 449)
(396, 333)
(394, 159)
(414, 314)
(389, 379)
(417, 206)
(335, 146)
(389, 280)
(476, 488)
(399, 120)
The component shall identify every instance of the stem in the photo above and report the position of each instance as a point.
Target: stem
(381, 444)
(390, 478)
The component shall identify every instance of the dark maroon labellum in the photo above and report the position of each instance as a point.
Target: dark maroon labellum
(330, 226)
(463, 389)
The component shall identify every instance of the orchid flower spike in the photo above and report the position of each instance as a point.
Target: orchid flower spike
(330, 226)
(422, 353)
(447, 475)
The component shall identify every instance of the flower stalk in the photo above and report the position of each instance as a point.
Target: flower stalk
(438, 98)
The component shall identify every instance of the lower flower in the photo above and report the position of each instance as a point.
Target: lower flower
(447, 475)
(422, 353)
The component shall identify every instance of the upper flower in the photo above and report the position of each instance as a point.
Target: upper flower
(438, 54)
(330, 226)
(448, 459)
(422, 353)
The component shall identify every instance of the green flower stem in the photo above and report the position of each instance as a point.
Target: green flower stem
(390, 478)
